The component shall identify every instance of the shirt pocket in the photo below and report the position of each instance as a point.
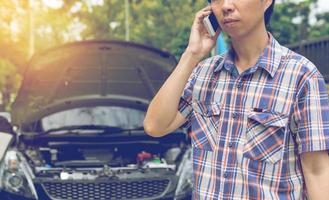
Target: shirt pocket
(204, 127)
(264, 137)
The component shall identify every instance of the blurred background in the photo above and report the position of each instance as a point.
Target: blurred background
(29, 26)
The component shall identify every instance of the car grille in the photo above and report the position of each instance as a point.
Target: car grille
(106, 190)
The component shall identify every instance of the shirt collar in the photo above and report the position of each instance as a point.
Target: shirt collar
(269, 60)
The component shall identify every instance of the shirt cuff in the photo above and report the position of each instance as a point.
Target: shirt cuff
(186, 110)
(316, 144)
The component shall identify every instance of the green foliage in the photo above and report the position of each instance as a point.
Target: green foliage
(281, 24)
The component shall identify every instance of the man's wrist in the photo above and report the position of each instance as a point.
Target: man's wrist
(192, 56)
(187, 63)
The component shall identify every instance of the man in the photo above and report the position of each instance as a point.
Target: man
(258, 114)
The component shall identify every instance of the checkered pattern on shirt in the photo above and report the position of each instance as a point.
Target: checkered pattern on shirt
(248, 129)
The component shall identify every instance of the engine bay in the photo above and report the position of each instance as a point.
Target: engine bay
(84, 158)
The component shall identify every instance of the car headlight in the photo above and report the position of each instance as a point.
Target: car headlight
(185, 175)
(14, 181)
(16, 175)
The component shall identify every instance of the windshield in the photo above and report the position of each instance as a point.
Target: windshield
(125, 118)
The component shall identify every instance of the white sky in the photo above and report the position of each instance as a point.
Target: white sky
(323, 5)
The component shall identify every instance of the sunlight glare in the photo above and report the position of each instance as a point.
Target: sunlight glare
(54, 4)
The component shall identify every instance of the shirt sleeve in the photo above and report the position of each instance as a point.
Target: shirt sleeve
(184, 106)
(312, 114)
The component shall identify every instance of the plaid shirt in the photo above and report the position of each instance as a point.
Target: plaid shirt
(248, 130)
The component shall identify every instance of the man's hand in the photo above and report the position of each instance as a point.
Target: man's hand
(200, 42)
(316, 173)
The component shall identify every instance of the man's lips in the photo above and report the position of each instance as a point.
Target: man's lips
(228, 21)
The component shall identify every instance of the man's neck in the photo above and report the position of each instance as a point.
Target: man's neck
(248, 49)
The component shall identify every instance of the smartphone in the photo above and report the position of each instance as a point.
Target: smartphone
(211, 24)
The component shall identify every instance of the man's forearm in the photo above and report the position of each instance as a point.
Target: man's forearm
(163, 108)
(318, 185)
(316, 173)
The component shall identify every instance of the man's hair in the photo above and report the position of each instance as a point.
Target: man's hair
(268, 13)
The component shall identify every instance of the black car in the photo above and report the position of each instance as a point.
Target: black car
(78, 121)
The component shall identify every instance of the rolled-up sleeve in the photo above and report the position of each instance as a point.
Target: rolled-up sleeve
(312, 114)
(184, 106)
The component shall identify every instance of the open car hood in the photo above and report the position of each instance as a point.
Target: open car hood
(90, 73)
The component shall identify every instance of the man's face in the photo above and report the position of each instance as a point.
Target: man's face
(239, 18)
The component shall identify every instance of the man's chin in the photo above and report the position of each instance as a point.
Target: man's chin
(234, 34)
(237, 34)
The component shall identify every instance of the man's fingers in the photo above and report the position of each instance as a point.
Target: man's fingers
(204, 12)
(218, 31)
(201, 15)
(207, 8)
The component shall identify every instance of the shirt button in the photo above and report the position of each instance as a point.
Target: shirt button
(235, 115)
(239, 85)
(230, 144)
(225, 175)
